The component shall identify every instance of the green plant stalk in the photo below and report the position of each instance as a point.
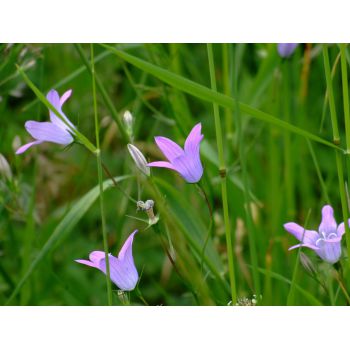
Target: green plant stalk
(227, 88)
(222, 172)
(100, 181)
(44, 100)
(104, 95)
(209, 95)
(336, 140)
(249, 218)
(288, 154)
(344, 74)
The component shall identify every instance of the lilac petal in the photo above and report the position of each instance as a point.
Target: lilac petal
(161, 165)
(311, 246)
(126, 250)
(122, 269)
(65, 97)
(341, 228)
(329, 252)
(286, 50)
(188, 169)
(193, 140)
(328, 224)
(96, 256)
(305, 236)
(123, 272)
(170, 149)
(333, 240)
(54, 99)
(26, 146)
(46, 131)
(86, 262)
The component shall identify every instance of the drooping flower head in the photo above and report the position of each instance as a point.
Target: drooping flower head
(326, 242)
(286, 50)
(122, 269)
(185, 161)
(54, 131)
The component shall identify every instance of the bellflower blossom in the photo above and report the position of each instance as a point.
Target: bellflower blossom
(286, 50)
(54, 131)
(326, 242)
(123, 272)
(185, 161)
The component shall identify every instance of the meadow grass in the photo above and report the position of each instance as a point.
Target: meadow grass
(275, 150)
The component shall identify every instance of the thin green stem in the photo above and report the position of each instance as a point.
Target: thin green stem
(288, 154)
(227, 88)
(100, 181)
(344, 74)
(249, 217)
(222, 172)
(338, 156)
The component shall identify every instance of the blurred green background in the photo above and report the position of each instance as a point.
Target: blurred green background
(273, 175)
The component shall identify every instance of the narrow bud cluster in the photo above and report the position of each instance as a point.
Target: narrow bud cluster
(139, 159)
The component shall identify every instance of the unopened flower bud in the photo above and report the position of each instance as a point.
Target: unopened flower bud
(128, 121)
(5, 169)
(139, 159)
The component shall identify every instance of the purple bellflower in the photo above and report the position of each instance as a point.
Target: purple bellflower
(185, 161)
(123, 272)
(54, 131)
(326, 242)
(286, 50)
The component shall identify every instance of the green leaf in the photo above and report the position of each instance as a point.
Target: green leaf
(64, 228)
(209, 95)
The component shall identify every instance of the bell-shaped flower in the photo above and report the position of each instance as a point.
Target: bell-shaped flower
(326, 242)
(54, 131)
(122, 269)
(286, 50)
(185, 161)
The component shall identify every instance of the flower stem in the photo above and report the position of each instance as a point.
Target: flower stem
(248, 210)
(100, 181)
(336, 140)
(222, 172)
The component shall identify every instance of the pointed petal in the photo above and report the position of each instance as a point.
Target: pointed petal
(54, 99)
(193, 140)
(65, 97)
(46, 131)
(86, 262)
(304, 236)
(188, 168)
(96, 256)
(126, 250)
(26, 146)
(341, 228)
(161, 165)
(170, 149)
(328, 224)
(311, 246)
